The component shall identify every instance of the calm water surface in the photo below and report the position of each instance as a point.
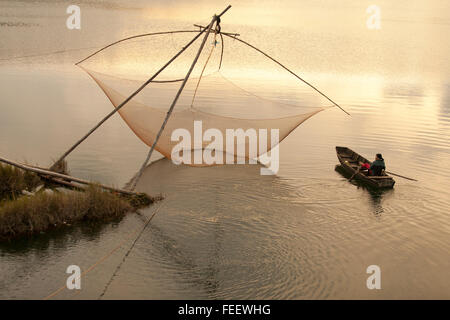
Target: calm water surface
(227, 232)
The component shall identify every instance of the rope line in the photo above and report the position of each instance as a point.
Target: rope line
(105, 257)
(203, 70)
(221, 52)
(134, 37)
(128, 252)
(43, 54)
(290, 71)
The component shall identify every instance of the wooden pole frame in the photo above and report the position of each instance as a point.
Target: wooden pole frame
(146, 35)
(169, 112)
(62, 179)
(65, 154)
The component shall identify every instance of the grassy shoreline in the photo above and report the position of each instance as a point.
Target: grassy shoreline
(26, 215)
(13, 181)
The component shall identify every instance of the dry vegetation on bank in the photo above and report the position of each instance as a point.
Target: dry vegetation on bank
(22, 215)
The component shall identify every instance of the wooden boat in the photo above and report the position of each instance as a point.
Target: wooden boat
(349, 160)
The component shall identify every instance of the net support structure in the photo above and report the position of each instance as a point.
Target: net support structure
(214, 20)
(233, 36)
(74, 146)
(206, 30)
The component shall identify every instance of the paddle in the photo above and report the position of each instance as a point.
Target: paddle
(357, 171)
(397, 175)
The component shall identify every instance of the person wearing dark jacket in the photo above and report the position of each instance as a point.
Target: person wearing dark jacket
(377, 167)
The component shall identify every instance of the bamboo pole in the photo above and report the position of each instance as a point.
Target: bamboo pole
(124, 102)
(400, 176)
(64, 177)
(356, 172)
(141, 170)
(143, 35)
(64, 183)
(134, 37)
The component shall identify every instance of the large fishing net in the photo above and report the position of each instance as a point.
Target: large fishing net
(232, 87)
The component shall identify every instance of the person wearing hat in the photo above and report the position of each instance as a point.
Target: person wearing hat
(377, 167)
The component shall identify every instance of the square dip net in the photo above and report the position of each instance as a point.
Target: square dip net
(233, 88)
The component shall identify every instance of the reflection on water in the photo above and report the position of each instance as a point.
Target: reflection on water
(227, 232)
(375, 195)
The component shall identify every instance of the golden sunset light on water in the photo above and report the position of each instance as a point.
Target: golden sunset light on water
(296, 150)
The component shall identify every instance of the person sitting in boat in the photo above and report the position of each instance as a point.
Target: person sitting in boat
(377, 167)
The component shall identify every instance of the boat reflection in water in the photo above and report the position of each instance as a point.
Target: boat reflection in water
(376, 194)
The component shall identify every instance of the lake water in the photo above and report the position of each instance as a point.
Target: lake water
(226, 231)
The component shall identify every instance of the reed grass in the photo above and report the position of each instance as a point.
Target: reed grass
(41, 212)
(14, 180)
(27, 215)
